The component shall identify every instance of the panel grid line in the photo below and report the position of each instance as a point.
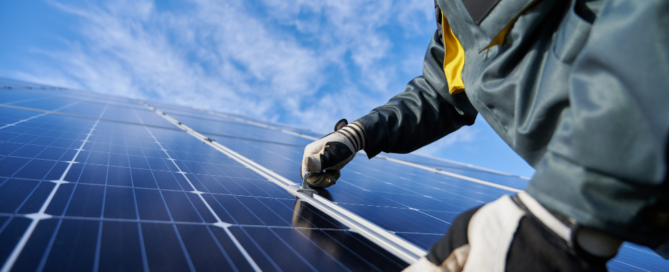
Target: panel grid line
(293, 251)
(218, 223)
(40, 214)
(189, 262)
(183, 223)
(387, 158)
(220, 248)
(37, 116)
(41, 181)
(52, 240)
(398, 246)
(98, 243)
(131, 123)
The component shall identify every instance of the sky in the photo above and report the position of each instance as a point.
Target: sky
(298, 62)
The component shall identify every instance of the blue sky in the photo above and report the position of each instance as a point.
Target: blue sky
(305, 63)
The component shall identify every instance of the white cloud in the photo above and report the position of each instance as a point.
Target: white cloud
(307, 63)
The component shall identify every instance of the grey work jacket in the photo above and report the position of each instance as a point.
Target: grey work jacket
(579, 90)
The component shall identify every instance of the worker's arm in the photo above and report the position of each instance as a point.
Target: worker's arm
(324, 158)
(422, 114)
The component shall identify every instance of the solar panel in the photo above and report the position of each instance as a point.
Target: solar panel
(92, 182)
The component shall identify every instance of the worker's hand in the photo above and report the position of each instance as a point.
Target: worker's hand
(518, 234)
(325, 157)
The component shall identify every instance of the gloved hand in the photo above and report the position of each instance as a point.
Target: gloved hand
(518, 234)
(331, 153)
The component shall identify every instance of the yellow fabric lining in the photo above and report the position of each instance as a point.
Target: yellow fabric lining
(454, 58)
(499, 39)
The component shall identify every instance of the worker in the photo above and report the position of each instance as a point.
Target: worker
(579, 89)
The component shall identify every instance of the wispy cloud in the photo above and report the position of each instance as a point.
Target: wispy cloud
(301, 62)
(308, 63)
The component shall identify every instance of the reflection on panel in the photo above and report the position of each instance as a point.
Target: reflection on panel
(106, 184)
(140, 197)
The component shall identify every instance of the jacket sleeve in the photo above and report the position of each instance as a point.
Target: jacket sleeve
(422, 114)
(606, 164)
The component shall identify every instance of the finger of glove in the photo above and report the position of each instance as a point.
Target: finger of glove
(422, 265)
(457, 260)
(312, 150)
(312, 164)
(317, 148)
(335, 156)
(323, 180)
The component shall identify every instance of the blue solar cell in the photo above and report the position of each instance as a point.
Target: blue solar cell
(36, 198)
(142, 178)
(423, 240)
(151, 205)
(14, 97)
(180, 207)
(166, 180)
(239, 213)
(122, 250)
(636, 258)
(119, 176)
(231, 250)
(56, 153)
(13, 192)
(117, 159)
(10, 233)
(73, 247)
(262, 211)
(400, 219)
(9, 166)
(242, 130)
(28, 151)
(60, 199)
(87, 173)
(33, 253)
(283, 256)
(164, 248)
(362, 254)
(119, 203)
(86, 201)
(206, 254)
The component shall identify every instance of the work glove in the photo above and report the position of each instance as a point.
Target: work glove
(518, 234)
(325, 157)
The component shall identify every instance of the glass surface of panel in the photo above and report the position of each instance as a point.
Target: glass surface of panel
(465, 170)
(242, 131)
(415, 204)
(134, 192)
(151, 197)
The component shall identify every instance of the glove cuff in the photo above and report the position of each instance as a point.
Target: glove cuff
(355, 134)
(560, 227)
(598, 245)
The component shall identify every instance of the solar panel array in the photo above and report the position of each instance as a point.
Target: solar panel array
(96, 182)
